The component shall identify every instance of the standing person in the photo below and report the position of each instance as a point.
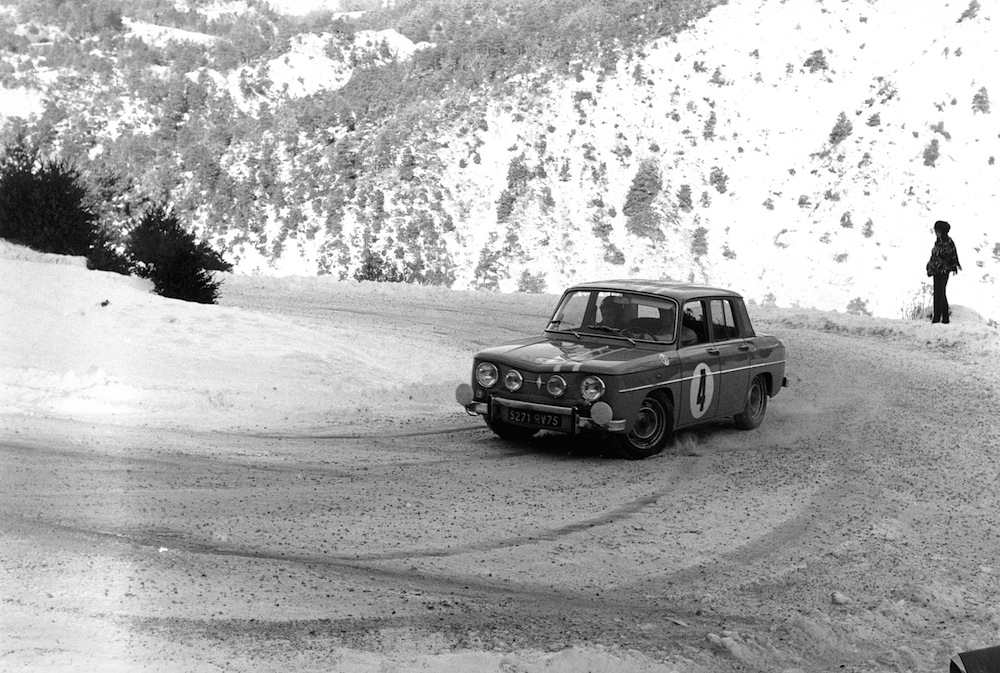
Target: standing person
(943, 261)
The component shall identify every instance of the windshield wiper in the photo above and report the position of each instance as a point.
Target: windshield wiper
(574, 333)
(613, 330)
(571, 331)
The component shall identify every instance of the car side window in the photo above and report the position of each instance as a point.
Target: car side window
(743, 320)
(723, 320)
(693, 326)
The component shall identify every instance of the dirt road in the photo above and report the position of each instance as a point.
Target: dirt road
(854, 531)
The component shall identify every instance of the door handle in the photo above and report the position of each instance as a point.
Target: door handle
(745, 347)
(713, 351)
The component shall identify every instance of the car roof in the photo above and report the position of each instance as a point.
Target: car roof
(679, 291)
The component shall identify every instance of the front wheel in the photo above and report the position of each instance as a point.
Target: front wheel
(511, 433)
(653, 429)
(755, 406)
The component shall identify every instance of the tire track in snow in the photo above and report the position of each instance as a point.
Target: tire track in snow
(167, 539)
(362, 435)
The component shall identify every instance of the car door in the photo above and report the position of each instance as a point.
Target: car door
(734, 357)
(699, 365)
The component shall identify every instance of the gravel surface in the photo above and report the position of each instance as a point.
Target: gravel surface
(854, 531)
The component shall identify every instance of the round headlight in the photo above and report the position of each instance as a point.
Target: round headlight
(487, 374)
(556, 386)
(592, 388)
(513, 380)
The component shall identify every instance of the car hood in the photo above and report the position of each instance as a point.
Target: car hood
(541, 354)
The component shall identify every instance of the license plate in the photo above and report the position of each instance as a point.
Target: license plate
(533, 419)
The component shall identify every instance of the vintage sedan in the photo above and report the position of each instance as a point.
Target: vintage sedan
(633, 360)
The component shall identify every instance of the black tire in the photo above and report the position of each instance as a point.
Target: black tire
(510, 433)
(755, 406)
(652, 431)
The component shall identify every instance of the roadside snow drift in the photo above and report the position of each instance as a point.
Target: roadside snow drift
(98, 345)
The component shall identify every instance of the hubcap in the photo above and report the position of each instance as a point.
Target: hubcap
(648, 426)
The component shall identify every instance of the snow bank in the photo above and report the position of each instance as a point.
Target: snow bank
(101, 346)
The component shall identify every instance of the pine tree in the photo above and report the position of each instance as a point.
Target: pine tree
(841, 129)
(43, 204)
(179, 266)
(645, 186)
(981, 101)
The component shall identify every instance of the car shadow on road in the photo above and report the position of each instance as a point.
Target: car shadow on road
(688, 442)
(568, 446)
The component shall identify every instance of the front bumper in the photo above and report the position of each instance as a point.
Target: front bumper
(578, 422)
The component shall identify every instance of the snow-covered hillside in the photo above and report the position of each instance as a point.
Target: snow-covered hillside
(798, 151)
(758, 191)
(732, 112)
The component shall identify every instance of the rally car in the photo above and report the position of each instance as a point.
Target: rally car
(633, 360)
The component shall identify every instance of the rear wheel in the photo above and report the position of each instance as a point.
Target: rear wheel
(511, 433)
(653, 429)
(755, 407)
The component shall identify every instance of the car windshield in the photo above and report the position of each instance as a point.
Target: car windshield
(635, 317)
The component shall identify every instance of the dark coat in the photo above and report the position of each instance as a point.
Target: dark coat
(944, 257)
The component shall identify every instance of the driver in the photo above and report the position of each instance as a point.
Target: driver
(612, 313)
